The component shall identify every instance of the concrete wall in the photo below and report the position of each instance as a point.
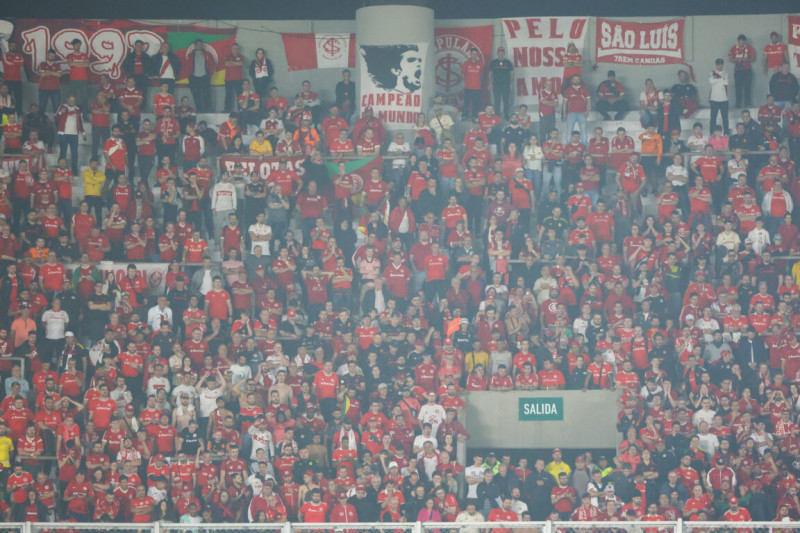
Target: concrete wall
(590, 420)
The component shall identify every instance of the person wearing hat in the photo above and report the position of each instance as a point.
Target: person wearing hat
(369, 120)
(343, 511)
(736, 513)
(501, 76)
(611, 97)
(557, 466)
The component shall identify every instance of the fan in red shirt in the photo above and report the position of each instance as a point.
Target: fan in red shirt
(218, 302)
(314, 511)
(18, 484)
(286, 179)
(563, 497)
(699, 501)
(142, 506)
(78, 495)
(736, 513)
(436, 265)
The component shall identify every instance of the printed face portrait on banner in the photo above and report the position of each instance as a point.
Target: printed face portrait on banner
(395, 68)
(391, 81)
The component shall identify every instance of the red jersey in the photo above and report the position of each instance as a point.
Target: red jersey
(473, 74)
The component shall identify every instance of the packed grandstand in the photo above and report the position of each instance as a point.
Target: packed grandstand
(308, 354)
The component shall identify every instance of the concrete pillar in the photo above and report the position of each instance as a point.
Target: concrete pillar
(391, 89)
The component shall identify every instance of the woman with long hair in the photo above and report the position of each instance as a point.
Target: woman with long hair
(512, 160)
(261, 73)
(31, 510)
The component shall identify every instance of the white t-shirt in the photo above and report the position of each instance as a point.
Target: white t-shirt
(155, 383)
(184, 389)
(55, 323)
(696, 144)
(261, 231)
(677, 170)
(404, 148)
(579, 325)
(433, 415)
(533, 157)
(238, 373)
(473, 471)
(419, 440)
(208, 400)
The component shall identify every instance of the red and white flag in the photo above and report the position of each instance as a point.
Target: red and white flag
(306, 51)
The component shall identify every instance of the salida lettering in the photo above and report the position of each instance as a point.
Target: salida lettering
(616, 36)
(540, 409)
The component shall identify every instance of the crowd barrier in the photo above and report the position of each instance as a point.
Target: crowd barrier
(679, 526)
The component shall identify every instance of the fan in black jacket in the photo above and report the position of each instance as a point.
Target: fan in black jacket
(668, 114)
(137, 65)
(160, 70)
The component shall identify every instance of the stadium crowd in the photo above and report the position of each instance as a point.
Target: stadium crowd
(320, 334)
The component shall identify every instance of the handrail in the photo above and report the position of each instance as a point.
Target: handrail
(679, 526)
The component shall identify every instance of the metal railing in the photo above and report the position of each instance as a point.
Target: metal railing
(678, 526)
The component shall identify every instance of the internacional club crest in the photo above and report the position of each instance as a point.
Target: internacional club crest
(331, 47)
(451, 51)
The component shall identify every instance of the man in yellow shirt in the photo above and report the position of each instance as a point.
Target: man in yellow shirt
(556, 466)
(6, 446)
(796, 272)
(93, 180)
(260, 147)
(476, 357)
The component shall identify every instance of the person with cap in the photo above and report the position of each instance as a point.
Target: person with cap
(369, 120)
(501, 77)
(611, 97)
(344, 511)
(735, 513)
(556, 466)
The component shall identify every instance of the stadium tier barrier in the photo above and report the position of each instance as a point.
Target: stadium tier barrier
(678, 526)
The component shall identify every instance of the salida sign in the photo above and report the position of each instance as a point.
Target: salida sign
(633, 43)
(538, 45)
(541, 408)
